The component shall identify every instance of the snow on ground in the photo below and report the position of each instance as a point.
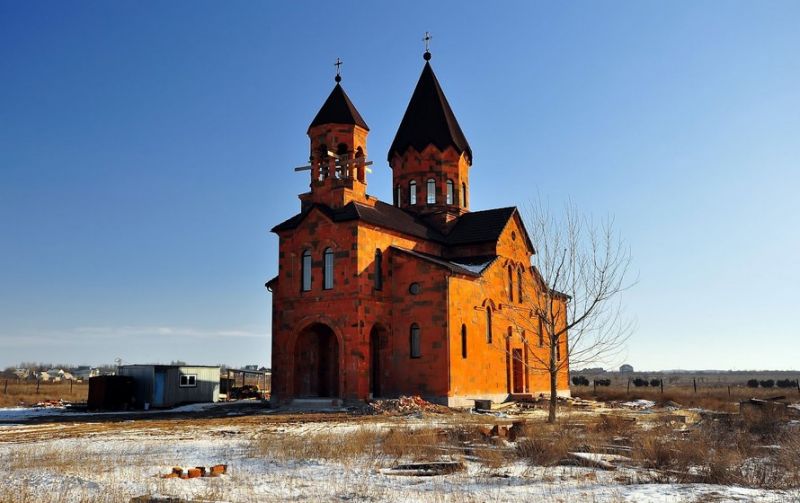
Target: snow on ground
(121, 463)
(11, 414)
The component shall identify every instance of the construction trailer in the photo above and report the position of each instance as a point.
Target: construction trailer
(170, 385)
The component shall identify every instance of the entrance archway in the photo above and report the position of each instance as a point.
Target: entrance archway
(376, 337)
(316, 362)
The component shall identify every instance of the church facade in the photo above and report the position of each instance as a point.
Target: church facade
(379, 300)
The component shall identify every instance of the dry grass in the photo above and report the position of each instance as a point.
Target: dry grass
(716, 398)
(14, 394)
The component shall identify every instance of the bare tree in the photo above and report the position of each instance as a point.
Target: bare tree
(579, 270)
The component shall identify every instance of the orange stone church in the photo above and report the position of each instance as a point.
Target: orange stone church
(379, 300)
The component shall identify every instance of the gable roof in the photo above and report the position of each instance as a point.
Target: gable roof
(429, 120)
(338, 109)
(480, 226)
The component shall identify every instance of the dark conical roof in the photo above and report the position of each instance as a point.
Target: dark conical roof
(429, 120)
(338, 109)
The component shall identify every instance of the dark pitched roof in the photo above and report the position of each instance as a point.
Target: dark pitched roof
(473, 266)
(382, 214)
(471, 228)
(480, 226)
(338, 109)
(429, 120)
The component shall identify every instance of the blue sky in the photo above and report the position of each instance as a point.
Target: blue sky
(147, 148)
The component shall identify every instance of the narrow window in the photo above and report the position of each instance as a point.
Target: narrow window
(464, 195)
(412, 192)
(541, 334)
(415, 342)
(431, 191)
(327, 269)
(378, 270)
(519, 286)
(449, 191)
(463, 341)
(488, 324)
(398, 196)
(510, 284)
(305, 274)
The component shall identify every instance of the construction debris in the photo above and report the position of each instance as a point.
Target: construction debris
(426, 469)
(178, 472)
(406, 405)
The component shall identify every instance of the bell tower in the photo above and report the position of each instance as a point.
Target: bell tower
(338, 152)
(430, 156)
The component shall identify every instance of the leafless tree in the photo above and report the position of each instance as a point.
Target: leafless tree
(579, 270)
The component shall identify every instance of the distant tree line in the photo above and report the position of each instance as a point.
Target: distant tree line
(769, 383)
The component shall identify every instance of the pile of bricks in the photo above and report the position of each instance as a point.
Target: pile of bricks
(406, 405)
(196, 472)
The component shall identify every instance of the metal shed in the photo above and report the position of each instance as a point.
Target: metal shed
(170, 385)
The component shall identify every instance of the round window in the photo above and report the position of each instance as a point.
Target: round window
(414, 288)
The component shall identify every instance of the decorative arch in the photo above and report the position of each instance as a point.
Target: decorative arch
(316, 354)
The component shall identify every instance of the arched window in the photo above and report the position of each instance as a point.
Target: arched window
(519, 286)
(488, 324)
(464, 195)
(412, 192)
(378, 270)
(398, 196)
(431, 191)
(449, 192)
(414, 341)
(305, 271)
(327, 269)
(510, 285)
(463, 341)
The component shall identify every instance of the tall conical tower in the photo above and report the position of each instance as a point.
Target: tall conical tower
(430, 156)
(338, 137)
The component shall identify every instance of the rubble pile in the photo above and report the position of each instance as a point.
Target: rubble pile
(405, 405)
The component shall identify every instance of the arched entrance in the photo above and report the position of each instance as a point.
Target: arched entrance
(316, 362)
(377, 338)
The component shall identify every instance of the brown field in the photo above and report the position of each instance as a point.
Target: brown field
(13, 394)
(719, 398)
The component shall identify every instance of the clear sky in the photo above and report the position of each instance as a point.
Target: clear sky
(146, 149)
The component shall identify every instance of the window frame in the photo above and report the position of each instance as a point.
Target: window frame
(415, 341)
(463, 341)
(430, 195)
(305, 271)
(378, 279)
(412, 192)
(488, 324)
(327, 268)
(191, 380)
(449, 193)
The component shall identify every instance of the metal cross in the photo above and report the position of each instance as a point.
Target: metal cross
(337, 65)
(427, 41)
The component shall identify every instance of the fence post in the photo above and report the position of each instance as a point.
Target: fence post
(629, 385)
(70, 385)
(38, 381)
(729, 391)
(594, 382)
(5, 388)
(694, 381)
(662, 386)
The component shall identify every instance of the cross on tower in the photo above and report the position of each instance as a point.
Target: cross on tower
(427, 40)
(337, 65)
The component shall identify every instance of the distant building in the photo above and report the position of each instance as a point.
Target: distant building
(170, 385)
(626, 369)
(84, 372)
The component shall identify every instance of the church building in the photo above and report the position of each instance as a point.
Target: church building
(374, 299)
